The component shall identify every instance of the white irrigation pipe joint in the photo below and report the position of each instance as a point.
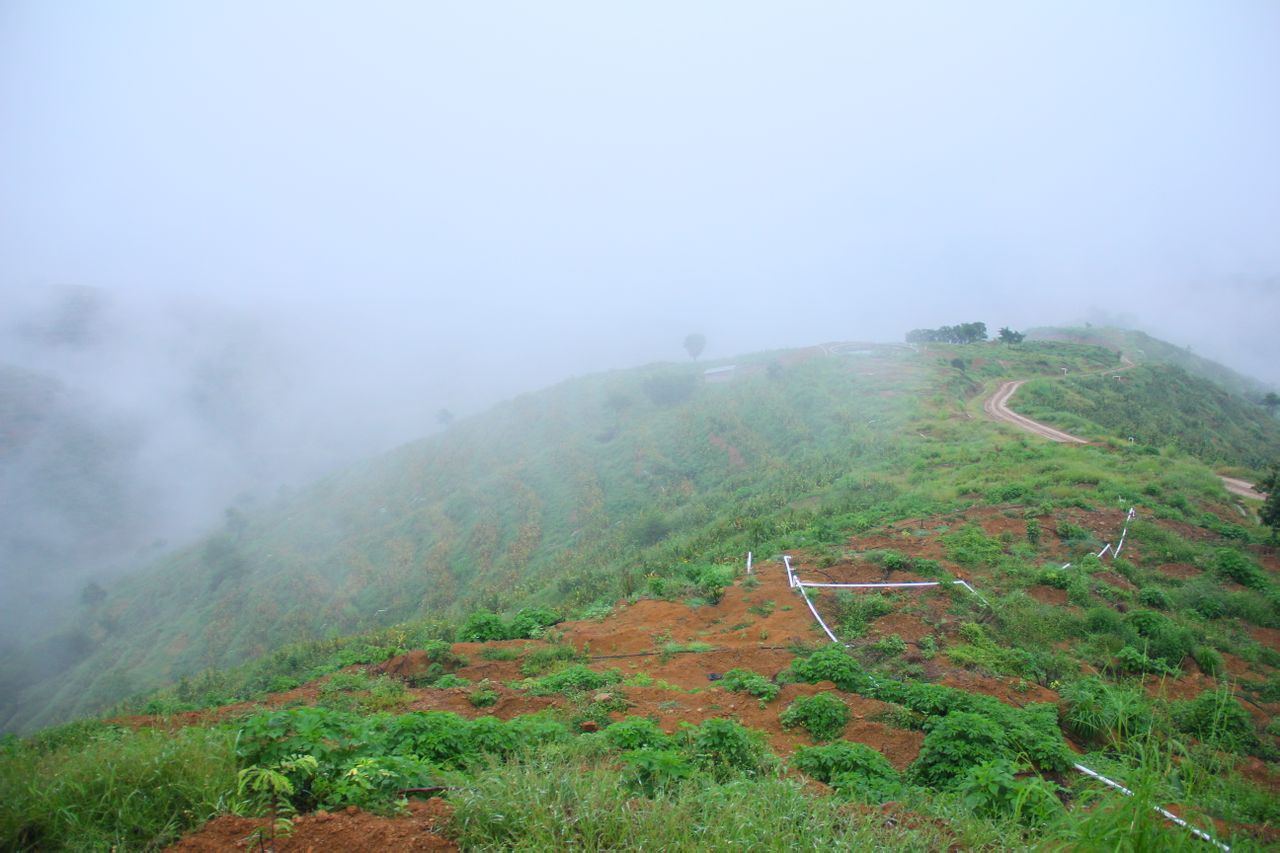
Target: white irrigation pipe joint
(965, 584)
(814, 611)
(1104, 551)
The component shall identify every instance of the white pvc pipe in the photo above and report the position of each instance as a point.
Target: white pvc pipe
(1104, 551)
(866, 585)
(1165, 813)
(814, 611)
(965, 584)
(791, 578)
(748, 562)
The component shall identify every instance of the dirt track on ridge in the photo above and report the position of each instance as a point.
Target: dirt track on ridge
(997, 407)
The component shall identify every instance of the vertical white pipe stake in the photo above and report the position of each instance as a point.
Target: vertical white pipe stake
(748, 562)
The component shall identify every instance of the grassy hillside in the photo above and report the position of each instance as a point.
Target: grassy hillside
(686, 689)
(1141, 348)
(1159, 405)
(571, 497)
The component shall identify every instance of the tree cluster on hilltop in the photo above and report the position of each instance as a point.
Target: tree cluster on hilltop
(965, 333)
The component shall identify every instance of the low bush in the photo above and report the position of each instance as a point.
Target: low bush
(653, 770)
(1154, 598)
(724, 748)
(573, 679)
(824, 716)
(855, 770)
(1230, 563)
(637, 733)
(1216, 718)
(830, 663)
(955, 744)
(994, 790)
(1097, 712)
(746, 681)
(544, 658)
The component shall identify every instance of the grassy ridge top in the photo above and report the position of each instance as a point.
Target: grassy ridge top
(1141, 348)
(575, 496)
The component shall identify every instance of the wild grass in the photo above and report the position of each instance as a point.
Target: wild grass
(114, 789)
(556, 803)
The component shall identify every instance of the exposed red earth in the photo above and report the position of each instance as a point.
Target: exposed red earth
(756, 629)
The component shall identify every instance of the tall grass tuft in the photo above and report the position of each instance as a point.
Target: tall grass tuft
(113, 789)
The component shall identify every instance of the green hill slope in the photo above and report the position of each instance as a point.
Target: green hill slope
(1141, 348)
(1159, 405)
(581, 494)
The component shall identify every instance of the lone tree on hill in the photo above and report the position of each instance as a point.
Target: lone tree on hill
(1009, 336)
(695, 343)
(444, 417)
(1271, 402)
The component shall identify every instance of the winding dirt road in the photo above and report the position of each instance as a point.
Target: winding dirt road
(997, 407)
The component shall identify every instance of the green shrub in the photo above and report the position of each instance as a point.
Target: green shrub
(970, 546)
(746, 681)
(483, 695)
(824, 716)
(854, 769)
(481, 627)
(546, 657)
(1163, 638)
(993, 790)
(831, 663)
(711, 581)
(637, 733)
(1154, 598)
(1209, 661)
(1216, 718)
(653, 770)
(1239, 568)
(531, 623)
(1099, 712)
(573, 679)
(1070, 533)
(890, 646)
(724, 748)
(956, 743)
(440, 652)
(857, 610)
(1130, 660)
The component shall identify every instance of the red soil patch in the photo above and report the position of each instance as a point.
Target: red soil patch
(907, 626)
(1113, 579)
(1049, 595)
(350, 831)
(1181, 571)
(1016, 693)
(1269, 637)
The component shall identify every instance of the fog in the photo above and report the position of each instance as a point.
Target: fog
(307, 227)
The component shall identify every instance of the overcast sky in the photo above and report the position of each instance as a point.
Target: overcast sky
(472, 199)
